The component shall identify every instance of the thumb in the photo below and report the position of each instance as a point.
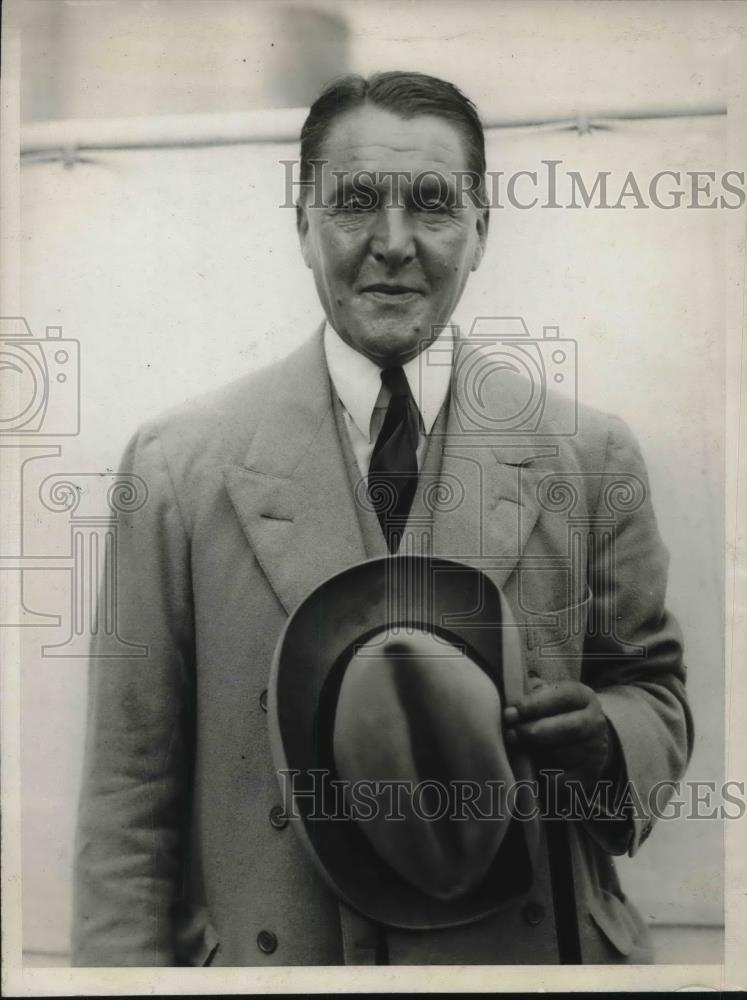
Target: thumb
(535, 683)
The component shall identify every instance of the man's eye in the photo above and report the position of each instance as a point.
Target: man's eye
(357, 203)
(434, 203)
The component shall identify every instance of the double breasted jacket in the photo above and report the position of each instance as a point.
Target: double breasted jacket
(179, 858)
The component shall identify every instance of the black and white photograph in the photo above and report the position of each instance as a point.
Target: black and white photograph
(370, 380)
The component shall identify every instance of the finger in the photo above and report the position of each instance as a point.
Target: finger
(558, 730)
(511, 714)
(551, 699)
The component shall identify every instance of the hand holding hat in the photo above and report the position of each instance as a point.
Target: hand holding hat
(563, 726)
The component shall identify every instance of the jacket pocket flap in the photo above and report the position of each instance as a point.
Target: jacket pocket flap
(614, 920)
(195, 938)
(559, 626)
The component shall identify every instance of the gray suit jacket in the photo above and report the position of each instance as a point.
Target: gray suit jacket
(249, 508)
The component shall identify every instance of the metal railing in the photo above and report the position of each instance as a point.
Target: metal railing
(65, 139)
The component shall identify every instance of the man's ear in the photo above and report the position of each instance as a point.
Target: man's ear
(481, 223)
(302, 228)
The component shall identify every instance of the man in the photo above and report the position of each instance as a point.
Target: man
(261, 491)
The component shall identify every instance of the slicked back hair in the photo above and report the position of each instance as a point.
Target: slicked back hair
(405, 94)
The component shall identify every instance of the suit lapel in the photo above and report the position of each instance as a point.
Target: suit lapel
(292, 493)
(293, 497)
(487, 482)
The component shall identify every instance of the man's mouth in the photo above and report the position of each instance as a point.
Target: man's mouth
(390, 290)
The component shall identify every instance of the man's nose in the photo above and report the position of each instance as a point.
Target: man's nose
(393, 241)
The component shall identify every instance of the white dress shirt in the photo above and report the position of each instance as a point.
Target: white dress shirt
(357, 381)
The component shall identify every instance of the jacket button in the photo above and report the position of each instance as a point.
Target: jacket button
(534, 913)
(277, 818)
(263, 700)
(267, 942)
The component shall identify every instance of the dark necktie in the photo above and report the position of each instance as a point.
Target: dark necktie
(393, 471)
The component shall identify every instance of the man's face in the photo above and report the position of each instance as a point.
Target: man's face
(390, 254)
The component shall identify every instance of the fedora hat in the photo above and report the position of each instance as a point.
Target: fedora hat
(384, 705)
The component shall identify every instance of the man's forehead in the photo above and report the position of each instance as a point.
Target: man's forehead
(371, 138)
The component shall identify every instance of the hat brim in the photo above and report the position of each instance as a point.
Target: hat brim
(449, 598)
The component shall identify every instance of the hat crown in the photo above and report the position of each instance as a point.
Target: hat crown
(417, 714)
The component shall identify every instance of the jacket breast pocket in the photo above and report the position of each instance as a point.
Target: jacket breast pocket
(555, 638)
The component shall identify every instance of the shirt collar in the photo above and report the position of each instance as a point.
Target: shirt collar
(357, 379)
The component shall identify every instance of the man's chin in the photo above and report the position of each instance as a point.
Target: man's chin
(395, 349)
(392, 342)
